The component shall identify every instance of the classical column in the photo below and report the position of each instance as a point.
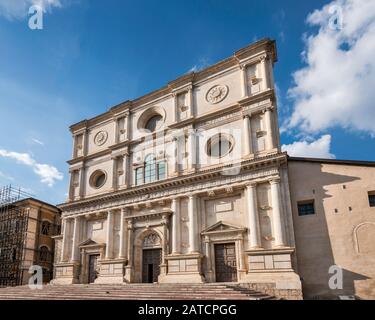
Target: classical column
(175, 156)
(263, 66)
(82, 182)
(208, 253)
(130, 243)
(114, 172)
(269, 123)
(248, 150)
(241, 254)
(190, 101)
(127, 125)
(84, 142)
(165, 242)
(121, 253)
(243, 81)
(254, 228)
(192, 212)
(176, 233)
(75, 241)
(71, 185)
(176, 117)
(191, 149)
(109, 237)
(127, 168)
(64, 239)
(277, 214)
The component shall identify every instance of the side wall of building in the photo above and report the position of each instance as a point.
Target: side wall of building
(341, 232)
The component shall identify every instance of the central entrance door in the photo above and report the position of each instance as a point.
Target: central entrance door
(225, 262)
(93, 263)
(151, 265)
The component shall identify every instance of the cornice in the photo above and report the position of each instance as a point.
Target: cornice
(183, 181)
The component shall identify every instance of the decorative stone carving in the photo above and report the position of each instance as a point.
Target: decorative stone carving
(101, 138)
(217, 94)
(151, 241)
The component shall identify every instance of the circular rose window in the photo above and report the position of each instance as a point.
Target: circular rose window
(220, 145)
(98, 179)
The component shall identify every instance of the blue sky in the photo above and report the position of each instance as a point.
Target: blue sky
(90, 56)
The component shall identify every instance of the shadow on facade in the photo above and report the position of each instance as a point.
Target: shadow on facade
(313, 234)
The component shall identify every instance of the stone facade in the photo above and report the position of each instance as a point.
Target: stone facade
(205, 199)
(186, 184)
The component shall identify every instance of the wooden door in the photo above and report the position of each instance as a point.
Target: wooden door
(93, 264)
(151, 265)
(225, 262)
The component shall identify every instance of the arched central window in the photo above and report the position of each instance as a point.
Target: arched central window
(154, 122)
(151, 171)
(43, 254)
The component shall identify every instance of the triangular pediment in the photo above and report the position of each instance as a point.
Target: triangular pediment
(88, 242)
(223, 227)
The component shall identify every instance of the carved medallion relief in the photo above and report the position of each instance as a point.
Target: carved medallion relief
(101, 138)
(217, 94)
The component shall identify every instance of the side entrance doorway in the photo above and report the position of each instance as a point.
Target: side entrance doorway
(93, 264)
(225, 262)
(151, 261)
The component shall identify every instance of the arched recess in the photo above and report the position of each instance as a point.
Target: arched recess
(147, 115)
(150, 238)
(364, 238)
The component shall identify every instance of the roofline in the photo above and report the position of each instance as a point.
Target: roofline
(268, 43)
(334, 161)
(38, 201)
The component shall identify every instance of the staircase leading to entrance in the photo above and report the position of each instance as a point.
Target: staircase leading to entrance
(134, 292)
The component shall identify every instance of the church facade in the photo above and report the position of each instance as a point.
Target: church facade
(186, 184)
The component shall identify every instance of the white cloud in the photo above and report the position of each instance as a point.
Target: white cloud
(336, 87)
(18, 9)
(203, 63)
(319, 148)
(5, 176)
(38, 141)
(48, 174)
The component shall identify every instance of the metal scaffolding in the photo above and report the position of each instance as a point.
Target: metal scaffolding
(13, 231)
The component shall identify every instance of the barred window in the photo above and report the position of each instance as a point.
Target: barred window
(371, 199)
(306, 208)
(43, 254)
(46, 228)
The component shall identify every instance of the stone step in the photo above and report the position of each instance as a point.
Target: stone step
(135, 292)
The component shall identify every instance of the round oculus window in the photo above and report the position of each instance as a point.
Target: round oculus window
(98, 179)
(220, 145)
(154, 123)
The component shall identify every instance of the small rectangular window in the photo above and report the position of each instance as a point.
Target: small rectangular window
(306, 208)
(138, 176)
(371, 198)
(161, 170)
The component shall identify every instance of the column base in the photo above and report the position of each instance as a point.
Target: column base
(66, 273)
(183, 268)
(111, 271)
(128, 274)
(271, 271)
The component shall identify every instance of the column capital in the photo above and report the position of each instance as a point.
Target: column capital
(130, 224)
(251, 185)
(263, 57)
(192, 196)
(110, 211)
(275, 180)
